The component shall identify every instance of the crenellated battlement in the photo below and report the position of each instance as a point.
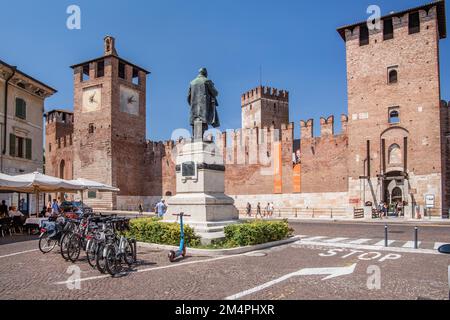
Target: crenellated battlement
(326, 127)
(60, 116)
(264, 92)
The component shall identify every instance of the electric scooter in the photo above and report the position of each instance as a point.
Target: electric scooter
(181, 252)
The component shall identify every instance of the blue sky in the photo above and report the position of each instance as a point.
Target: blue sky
(295, 42)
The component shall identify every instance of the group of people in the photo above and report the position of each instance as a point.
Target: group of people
(266, 213)
(396, 207)
(9, 212)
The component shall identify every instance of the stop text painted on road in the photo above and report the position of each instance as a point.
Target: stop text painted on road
(361, 255)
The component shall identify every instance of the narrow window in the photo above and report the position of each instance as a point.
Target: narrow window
(12, 145)
(28, 149)
(91, 128)
(388, 29)
(394, 154)
(100, 68)
(59, 143)
(363, 35)
(394, 115)
(121, 70)
(392, 76)
(20, 146)
(135, 79)
(251, 107)
(49, 147)
(62, 167)
(414, 22)
(21, 108)
(85, 73)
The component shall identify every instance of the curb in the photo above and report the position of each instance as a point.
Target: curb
(222, 252)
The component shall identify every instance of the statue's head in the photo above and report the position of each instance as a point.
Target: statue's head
(203, 72)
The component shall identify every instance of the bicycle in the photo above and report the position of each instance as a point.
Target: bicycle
(120, 250)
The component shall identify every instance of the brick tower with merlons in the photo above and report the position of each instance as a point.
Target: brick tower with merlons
(110, 125)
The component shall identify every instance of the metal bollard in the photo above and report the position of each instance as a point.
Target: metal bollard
(386, 243)
(416, 238)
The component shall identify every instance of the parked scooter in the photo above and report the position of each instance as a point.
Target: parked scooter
(181, 252)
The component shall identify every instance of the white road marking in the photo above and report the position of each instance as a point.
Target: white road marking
(382, 243)
(17, 253)
(335, 240)
(360, 241)
(314, 238)
(155, 269)
(410, 244)
(331, 272)
(366, 247)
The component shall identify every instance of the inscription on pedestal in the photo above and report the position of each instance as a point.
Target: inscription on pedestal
(189, 169)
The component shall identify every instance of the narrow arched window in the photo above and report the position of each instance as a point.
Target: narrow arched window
(395, 154)
(393, 76)
(62, 167)
(394, 115)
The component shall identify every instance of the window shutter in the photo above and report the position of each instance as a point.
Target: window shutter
(12, 145)
(28, 149)
(21, 108)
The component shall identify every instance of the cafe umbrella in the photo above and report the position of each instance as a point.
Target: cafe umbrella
(37, 183)
(85, 184)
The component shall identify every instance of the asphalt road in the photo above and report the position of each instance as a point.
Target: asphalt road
(299, 270)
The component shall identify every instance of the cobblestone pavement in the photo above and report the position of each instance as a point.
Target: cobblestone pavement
(294, 271)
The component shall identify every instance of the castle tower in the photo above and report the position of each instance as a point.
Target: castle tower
(265, 107)
(110, 126)
(59, 140)
(394, 109)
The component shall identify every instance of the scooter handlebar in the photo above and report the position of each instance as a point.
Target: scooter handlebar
(181, 214)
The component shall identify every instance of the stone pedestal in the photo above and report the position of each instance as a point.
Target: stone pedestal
(201, 191)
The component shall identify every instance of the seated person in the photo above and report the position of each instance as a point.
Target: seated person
(43, 212)
(13, 212)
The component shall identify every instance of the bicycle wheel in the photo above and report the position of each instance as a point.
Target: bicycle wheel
(74, 248)
(112, 262)
(100, 257)
(91, 253)
(46, 244)
(129, 253)
(64, 245)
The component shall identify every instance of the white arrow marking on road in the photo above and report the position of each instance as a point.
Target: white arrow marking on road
(331, 272)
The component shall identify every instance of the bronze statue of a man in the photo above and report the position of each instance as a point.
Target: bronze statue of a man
(202, 98)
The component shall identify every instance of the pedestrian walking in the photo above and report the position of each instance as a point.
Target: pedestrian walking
(258, 211)
(248, 209)
(267, 211)
(271, 209)
(141, 208)
(161, 208)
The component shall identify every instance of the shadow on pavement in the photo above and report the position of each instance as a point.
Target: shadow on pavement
(7, 239)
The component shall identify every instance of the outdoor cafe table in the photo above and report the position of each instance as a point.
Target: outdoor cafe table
(35, 221)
